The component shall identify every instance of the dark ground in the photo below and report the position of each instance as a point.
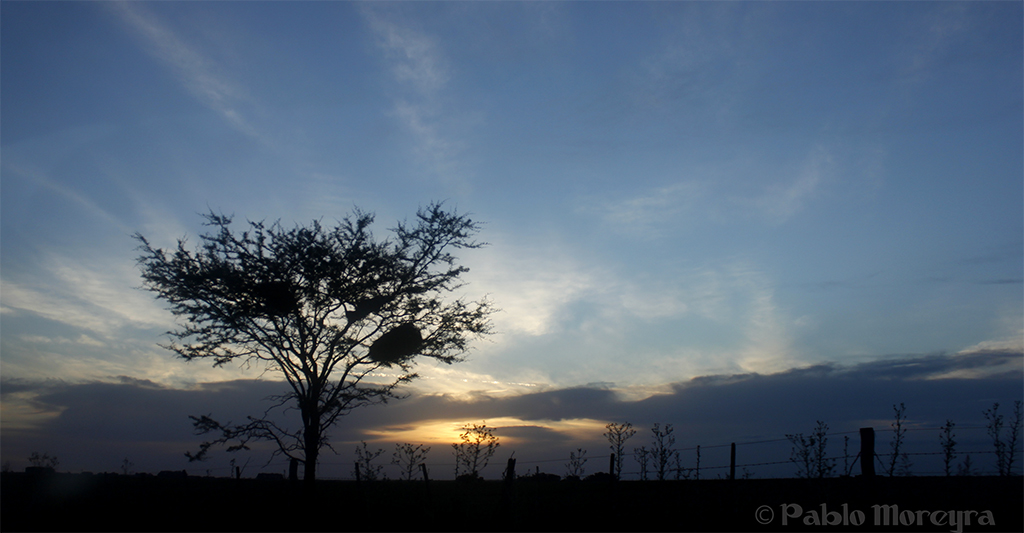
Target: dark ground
(79, 502)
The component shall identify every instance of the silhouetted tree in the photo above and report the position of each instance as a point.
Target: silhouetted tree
(408, 457)
(43, 461)
(903, 469)
(1011, 445)
(948, 446)
(643, 457)
(846, 455)
(680, 471)
(476, 449)
(617, 436)
(995, 430)
(802, 454)
(823, 466)
(661, 452)
(366, 462)
(324, 307)
(898, 435)
(575, 467)
(966, 468)
(1005, 450)
(696, 471)
(126, 467)
(809, 453)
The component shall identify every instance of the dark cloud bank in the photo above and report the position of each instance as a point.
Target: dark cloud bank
(102, 423)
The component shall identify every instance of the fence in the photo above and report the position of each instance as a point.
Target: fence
(698, 468)
(773, 458)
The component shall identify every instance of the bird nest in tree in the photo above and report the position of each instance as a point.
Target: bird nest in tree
(395, 346)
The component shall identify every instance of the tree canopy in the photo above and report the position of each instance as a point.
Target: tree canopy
(326, 307)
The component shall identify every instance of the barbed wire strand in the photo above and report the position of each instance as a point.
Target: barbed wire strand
(707, 447)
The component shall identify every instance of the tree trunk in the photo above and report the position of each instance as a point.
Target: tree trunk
(309, 472)
(312, 449)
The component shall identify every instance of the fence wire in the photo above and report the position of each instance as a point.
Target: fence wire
(698, 469)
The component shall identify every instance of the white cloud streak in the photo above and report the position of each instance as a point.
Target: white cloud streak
(40, 178)
(734, 295)
(416, 58)
(769, 347)
(1015, 342)
(690, 203)
(782, 201)
(531, 285)
(644, 214)
(422, 71)
(432, 146)
(97, 297)
(195, 71)
(595, 320)
(941, 29)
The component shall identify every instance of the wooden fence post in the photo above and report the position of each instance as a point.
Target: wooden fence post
(510, 471)
(611, 466)
(506, 489)
(426, 488)
(696, 471)
(293, 471)
(357, 472)
(867, 452)
(732, 461)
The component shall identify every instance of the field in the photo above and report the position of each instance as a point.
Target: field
(81, 502)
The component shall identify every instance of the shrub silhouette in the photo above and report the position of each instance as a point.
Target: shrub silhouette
(617, 436)
(476, 449)
(1005, 450)
(408, 457)
(576, 465)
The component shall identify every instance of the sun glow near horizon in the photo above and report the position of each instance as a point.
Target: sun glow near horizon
(444, 432)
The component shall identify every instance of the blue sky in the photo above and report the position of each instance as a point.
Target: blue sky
(670, 189)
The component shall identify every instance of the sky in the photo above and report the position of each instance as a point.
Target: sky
(815, 208)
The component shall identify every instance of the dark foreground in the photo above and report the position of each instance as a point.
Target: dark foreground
(72, 502)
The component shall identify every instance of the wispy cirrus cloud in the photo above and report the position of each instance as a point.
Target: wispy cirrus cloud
(785, 199)
(415, 58)
(441, 151)
(531, 284)
(644, 327)
(694, 69)
(717, 196)
(41, 178)
(419, 66)
(82, 317)
(644, 214)
(98, 297)
(940, 31)
(733, 296)
(196, 71)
